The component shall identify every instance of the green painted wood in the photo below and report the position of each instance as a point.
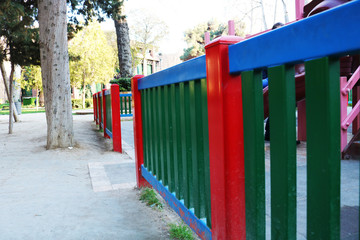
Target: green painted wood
(254, 154)
(130, 107)
(108, 112)
(121, 105)
(169, 157)
(184, 103)
(323, 148)
(151, 130)
(206, 163)
(162, 137)
(177, 147)
(145, 122)
(199, 121)
(196, 151)
(125, 104)
(282, 152)
(155, 133)
(102, 111)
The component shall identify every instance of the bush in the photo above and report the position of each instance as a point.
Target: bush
(124, 83)
(77, 103)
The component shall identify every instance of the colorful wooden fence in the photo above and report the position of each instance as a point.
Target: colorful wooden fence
(109, 106)
(173, 120)
(188, 142)
(126, 105)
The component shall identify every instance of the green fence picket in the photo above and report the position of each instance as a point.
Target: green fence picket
(323, 148)
(282, 152)
(108, 112)
(176, 140)
(254, 154)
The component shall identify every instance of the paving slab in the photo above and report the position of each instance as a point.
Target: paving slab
(50, 194)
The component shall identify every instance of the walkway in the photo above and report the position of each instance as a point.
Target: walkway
(50, 195)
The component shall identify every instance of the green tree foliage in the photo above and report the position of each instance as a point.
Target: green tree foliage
(31, 79)
(20, 40)
(195, 37)
(95, 62)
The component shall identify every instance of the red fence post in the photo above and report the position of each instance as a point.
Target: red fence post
(115, 116)
(104, 113)
(99, 109)
(226, 143)
(138, 131)
(95, 107)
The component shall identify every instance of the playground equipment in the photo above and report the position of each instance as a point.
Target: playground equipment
(204, 153)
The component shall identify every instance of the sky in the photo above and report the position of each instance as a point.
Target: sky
(181, 15)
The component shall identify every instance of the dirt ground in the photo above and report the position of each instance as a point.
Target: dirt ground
(50, 194)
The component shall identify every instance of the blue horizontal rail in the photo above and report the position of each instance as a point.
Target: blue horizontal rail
(108, 132)
(197, 225)
(125, 94)
(107, 92)
(126, 115)
(100, 94)
(186, 71)
(325, 34)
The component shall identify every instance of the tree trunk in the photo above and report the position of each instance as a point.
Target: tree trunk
(5, 79)
(263, 14)
(11, 99)
(37, 99)
(286, 16)
(55, 73)
(83, 94)
(123, 44)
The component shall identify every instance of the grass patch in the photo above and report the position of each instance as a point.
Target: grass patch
(180, 232)
(23, 111)
(149, 196)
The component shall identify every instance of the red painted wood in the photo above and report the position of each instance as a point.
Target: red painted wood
(355, 99)
(115, 117)
(301, 120)
(99, 104)
(94, 107)
(226, 146)
(104, 113)
(138, 131)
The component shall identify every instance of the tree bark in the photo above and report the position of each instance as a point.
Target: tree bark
(286, 16)
(37, 99)
(123, 44)
(11, 99)
(5, 79)
(263, 14)
(83, 94)
(55, 73)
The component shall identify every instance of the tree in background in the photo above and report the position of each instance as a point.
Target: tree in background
(19, 43)
(123, 44)
(55, 60)
(195, 37)
(31, 79)
(147, 31)
(95, 58)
